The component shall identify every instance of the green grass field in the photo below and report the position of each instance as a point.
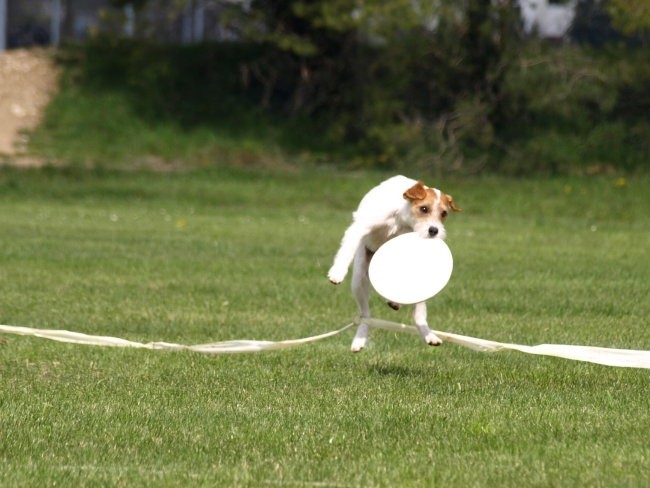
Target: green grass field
(210, 255)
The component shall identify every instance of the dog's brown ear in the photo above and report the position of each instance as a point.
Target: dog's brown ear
(416, 192)
(452, 204)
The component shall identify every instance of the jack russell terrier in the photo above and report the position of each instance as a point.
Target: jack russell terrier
(396, 206)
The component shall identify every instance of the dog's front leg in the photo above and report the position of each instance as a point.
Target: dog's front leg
(420, 318)
(349, 244)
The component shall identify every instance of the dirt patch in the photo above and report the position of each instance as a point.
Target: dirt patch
(28, 79)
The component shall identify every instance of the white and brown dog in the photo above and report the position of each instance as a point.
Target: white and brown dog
(396, 206)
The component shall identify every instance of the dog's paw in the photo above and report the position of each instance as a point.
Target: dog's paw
(336, 276)
(432, 339)
(358, 343)
(360, 338)
(428, 336)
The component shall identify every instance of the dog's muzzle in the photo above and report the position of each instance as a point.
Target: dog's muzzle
(433, 231)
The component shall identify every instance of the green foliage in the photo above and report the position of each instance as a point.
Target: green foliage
(630, 16)
(385, 66)
(446, 86)
(131, 104)
(577, 108)
(163, 81)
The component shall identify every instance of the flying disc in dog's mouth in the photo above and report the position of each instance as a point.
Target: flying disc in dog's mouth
(410, 269)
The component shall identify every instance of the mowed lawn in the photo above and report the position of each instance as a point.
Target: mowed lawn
(212, 255)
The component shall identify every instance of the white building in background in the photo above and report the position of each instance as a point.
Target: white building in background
(547, 19)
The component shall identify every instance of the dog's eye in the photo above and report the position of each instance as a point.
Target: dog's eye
(443, 214)
(424, 209)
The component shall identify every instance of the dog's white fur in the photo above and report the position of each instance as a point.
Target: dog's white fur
(396, 206)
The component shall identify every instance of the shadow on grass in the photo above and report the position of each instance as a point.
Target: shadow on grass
(400, 371)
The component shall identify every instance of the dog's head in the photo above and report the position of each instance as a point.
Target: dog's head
(427, 210)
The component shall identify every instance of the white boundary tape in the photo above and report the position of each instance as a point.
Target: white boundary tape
(224, 347)
(625, 358)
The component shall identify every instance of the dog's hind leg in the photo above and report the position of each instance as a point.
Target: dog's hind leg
(393, 305)
(360, 338)
(420, 318)
(361, 292)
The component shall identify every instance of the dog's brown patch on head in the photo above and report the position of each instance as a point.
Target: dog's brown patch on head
(423, 200)
(448, 201)
(416, 192)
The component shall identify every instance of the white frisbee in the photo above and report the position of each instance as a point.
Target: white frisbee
(410, 269)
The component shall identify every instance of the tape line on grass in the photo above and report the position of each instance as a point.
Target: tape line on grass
(626, 358)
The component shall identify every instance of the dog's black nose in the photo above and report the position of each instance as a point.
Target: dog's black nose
(433, 231)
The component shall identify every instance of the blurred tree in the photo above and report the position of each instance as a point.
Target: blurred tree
(389, 72)
(631, 17)
(429, 84)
